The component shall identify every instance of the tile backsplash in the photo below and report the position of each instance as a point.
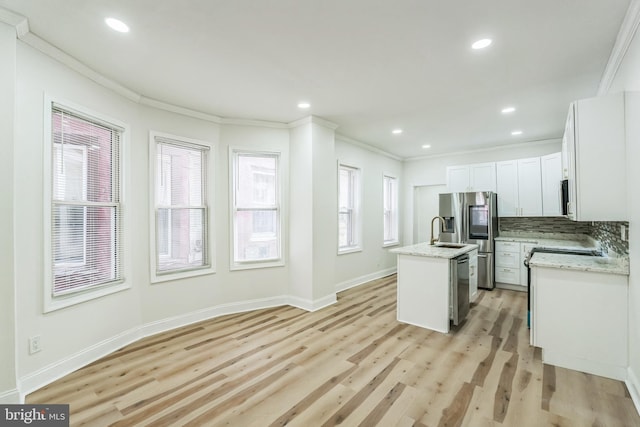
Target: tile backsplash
(607, 233)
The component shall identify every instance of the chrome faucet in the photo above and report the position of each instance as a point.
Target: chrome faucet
(433, 241)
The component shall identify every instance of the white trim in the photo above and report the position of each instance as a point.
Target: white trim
(66, 59)
(351, 283)
(623, 40)
(160, 105)
(312, 119)
(174, 322)
(54, 371)
(49, 302)
(9, 397)
(633, 385)
(533, 143)
(312, 305)
(366, 146)
(15, 20)
(211, 150)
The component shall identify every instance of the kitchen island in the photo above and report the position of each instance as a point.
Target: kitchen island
(425, 283)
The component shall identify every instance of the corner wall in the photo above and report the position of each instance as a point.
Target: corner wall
(627, 78)
(8, 387)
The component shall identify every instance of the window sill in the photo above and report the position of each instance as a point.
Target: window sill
(250, 265)
(52, 303)
(390, 244)
(349, 250)
(185, 274)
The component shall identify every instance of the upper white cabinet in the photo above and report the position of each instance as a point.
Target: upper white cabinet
(476, 177)
(519, 187)
(595, 158)
(551, 169)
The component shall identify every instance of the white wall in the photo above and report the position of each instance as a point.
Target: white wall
(8, 391)
(432, 170)
(628, 79)
(75, 335)
(354, 267)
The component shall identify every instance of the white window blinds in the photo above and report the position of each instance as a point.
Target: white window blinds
(85, 202)
(256, 207)
(181, 206)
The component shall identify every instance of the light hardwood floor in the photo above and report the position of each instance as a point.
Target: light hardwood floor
(350, 364)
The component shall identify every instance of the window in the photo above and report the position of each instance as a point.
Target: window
(180, 207)
(256, 212)
(83, 226)
(390, 209)
(348, 208)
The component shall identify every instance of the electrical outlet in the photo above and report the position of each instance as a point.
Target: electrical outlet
(34, 344)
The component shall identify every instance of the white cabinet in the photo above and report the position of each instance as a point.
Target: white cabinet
(579, 319)
(473, 275)
(508, 263)
(519, 187)
(596, 158)
(476, 177)
(551, 169)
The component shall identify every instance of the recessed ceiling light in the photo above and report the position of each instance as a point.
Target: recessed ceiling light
(516, 132)
(481, 44)
(426, 146)
(304, 105)
(507, 110)
(117, 25)
(396, 131)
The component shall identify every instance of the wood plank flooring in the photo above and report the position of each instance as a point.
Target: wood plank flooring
(351, 364)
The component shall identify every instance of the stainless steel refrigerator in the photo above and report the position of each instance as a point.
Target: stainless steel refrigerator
(472, 218)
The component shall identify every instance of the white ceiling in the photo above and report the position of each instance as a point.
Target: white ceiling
(369, 66)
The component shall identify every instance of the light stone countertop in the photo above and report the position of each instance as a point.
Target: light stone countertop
(597, 264)
(426, 250)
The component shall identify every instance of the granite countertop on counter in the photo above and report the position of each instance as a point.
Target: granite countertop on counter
(426, 250)
(597, 264)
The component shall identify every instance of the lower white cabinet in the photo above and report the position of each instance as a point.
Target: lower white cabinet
(579, 319)
(508, 263)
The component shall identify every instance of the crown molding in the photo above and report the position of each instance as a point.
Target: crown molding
(623, 40)
(253, 122)
(368, 147)
(312, 119)
(16, 20)
(160, 105)
(493, 148)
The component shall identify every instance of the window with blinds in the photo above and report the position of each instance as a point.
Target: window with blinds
(256, 207)
(390, 209)
(348, 208)
(181, 209)
(85, 202)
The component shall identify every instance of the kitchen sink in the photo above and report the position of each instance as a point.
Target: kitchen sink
(450, 245)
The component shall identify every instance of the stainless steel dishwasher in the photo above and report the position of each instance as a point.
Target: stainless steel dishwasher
(459, 288)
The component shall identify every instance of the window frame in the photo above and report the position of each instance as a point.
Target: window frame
(234, 153)
(393, 193)
(355, 194)
(57, 302)
(209, 203)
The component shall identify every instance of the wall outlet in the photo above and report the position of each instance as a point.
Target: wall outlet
(34, 344)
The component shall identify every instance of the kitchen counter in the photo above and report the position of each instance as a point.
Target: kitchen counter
(426, 250)
(604, 264)
(548, 240)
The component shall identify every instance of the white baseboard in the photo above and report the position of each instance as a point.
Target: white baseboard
(174, 322)
(633, 385)
(343, 286)
(312, 305)
(48, 374)
(10, 397)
